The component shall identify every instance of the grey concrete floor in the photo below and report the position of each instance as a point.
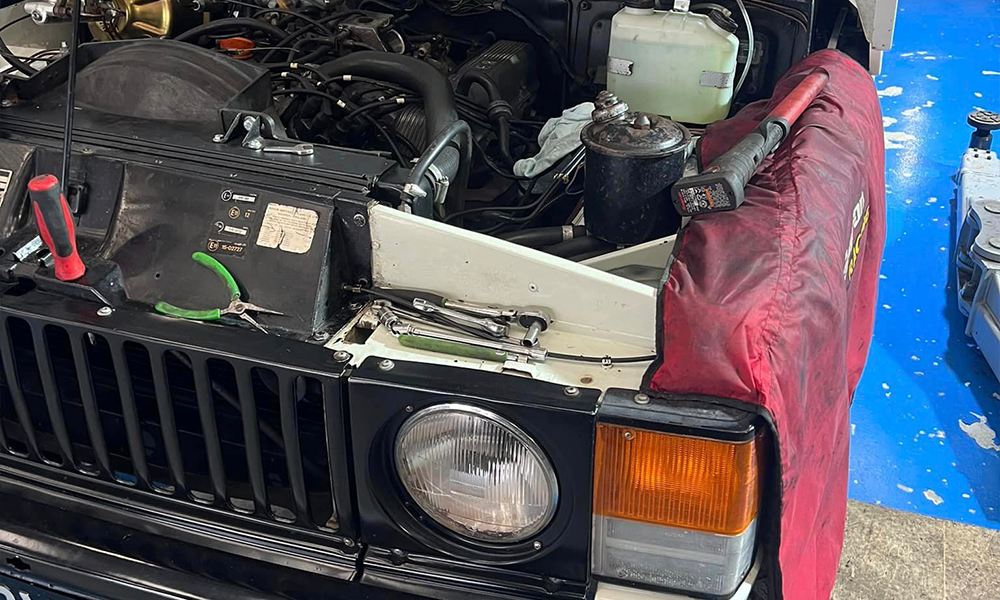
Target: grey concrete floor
(894, 555)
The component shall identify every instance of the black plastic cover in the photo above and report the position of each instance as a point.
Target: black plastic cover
(161, 80)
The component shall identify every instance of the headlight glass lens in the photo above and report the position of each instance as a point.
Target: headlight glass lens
(476, 473)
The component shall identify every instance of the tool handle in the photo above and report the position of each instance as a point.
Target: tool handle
(743, 159)
(55, 225)
(453, 348)
(222, 272)
(187, 313)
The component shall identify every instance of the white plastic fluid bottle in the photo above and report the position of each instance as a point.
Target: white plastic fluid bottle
(673, 63)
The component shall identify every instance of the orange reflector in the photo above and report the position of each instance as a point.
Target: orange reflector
(684, 482)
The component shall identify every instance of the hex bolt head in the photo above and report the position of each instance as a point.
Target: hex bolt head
(571, 391)
(321, 336)
(386, 365)
(641, 399)
(992, 207)
(341, 356)
(105, 311)
(360, 220)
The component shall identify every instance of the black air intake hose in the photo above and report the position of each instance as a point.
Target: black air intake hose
(406, 71)
(442, 119)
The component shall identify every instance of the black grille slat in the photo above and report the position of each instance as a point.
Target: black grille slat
(213, 448)
(245, 438)
(90, 410)
(293, 450)
(51, 393)
(133, 428)
(16, 394)
(251, 439)
(168, 424)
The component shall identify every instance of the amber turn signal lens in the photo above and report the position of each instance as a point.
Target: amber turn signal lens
(685, 482)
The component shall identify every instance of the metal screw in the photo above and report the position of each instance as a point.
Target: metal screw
(409, 408)
(321, 336)
(537, 545)
(218, 138)
(248, 122)
(641, 399)
(6, 104)
(993, 207)
(386, 365)
(995, 242)
(349, 542)
(571, 391)
(105, 311)
(360, 220)
(341, 356)
(629, 435)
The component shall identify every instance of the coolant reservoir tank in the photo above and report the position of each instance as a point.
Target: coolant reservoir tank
(675, 63)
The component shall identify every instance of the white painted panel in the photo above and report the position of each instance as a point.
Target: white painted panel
(412, 252)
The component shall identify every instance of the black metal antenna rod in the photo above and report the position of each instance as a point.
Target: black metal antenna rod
(70, 96)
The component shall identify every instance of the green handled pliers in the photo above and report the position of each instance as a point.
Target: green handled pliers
(236, 306)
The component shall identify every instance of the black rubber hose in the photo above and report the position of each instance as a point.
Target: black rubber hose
(442, 152)
(192, 35)
(15, 61)
(499, 118)
(544, 236)
(409, 72)
(578, 246)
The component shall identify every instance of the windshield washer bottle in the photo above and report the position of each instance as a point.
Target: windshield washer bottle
(673, 63)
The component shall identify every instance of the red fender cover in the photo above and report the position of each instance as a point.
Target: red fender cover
(773, 304)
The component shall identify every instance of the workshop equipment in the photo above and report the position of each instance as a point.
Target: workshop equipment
(632, 160)
(236, 306)
(720, 187)
(977, 256)
(55, 225)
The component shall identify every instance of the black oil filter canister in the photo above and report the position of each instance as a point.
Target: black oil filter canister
(632, 160)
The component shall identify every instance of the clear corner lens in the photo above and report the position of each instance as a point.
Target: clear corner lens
(476, 473)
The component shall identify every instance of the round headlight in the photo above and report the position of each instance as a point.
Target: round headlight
(476, 473)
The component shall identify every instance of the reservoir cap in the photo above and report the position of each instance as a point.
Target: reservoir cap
(724, 22)
(640, 3)
(636, 135)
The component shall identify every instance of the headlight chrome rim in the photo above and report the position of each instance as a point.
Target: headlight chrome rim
(519, 435)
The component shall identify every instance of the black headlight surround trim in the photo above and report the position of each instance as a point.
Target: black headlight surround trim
(560, 423)
(393, 498)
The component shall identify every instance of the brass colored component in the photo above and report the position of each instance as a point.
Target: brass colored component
(129, 19)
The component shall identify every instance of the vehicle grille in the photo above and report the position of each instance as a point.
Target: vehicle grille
(227, 432)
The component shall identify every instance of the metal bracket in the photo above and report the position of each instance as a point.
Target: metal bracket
(256, 126)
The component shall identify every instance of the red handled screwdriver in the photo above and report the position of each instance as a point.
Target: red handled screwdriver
(55, 225)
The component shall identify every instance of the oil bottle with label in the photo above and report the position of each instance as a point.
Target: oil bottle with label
(674, 63)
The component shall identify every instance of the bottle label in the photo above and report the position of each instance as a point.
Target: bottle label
(620, 66)
(715, 79)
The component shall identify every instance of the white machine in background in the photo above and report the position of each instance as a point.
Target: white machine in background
(978, 251)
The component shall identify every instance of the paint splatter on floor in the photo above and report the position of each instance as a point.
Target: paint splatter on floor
(981, 433)
(933, 497)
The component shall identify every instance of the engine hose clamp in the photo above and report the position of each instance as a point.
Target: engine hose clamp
(498, 108)
(441, 183)
(414, 191)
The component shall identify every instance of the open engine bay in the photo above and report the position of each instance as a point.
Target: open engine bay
(368, 196)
